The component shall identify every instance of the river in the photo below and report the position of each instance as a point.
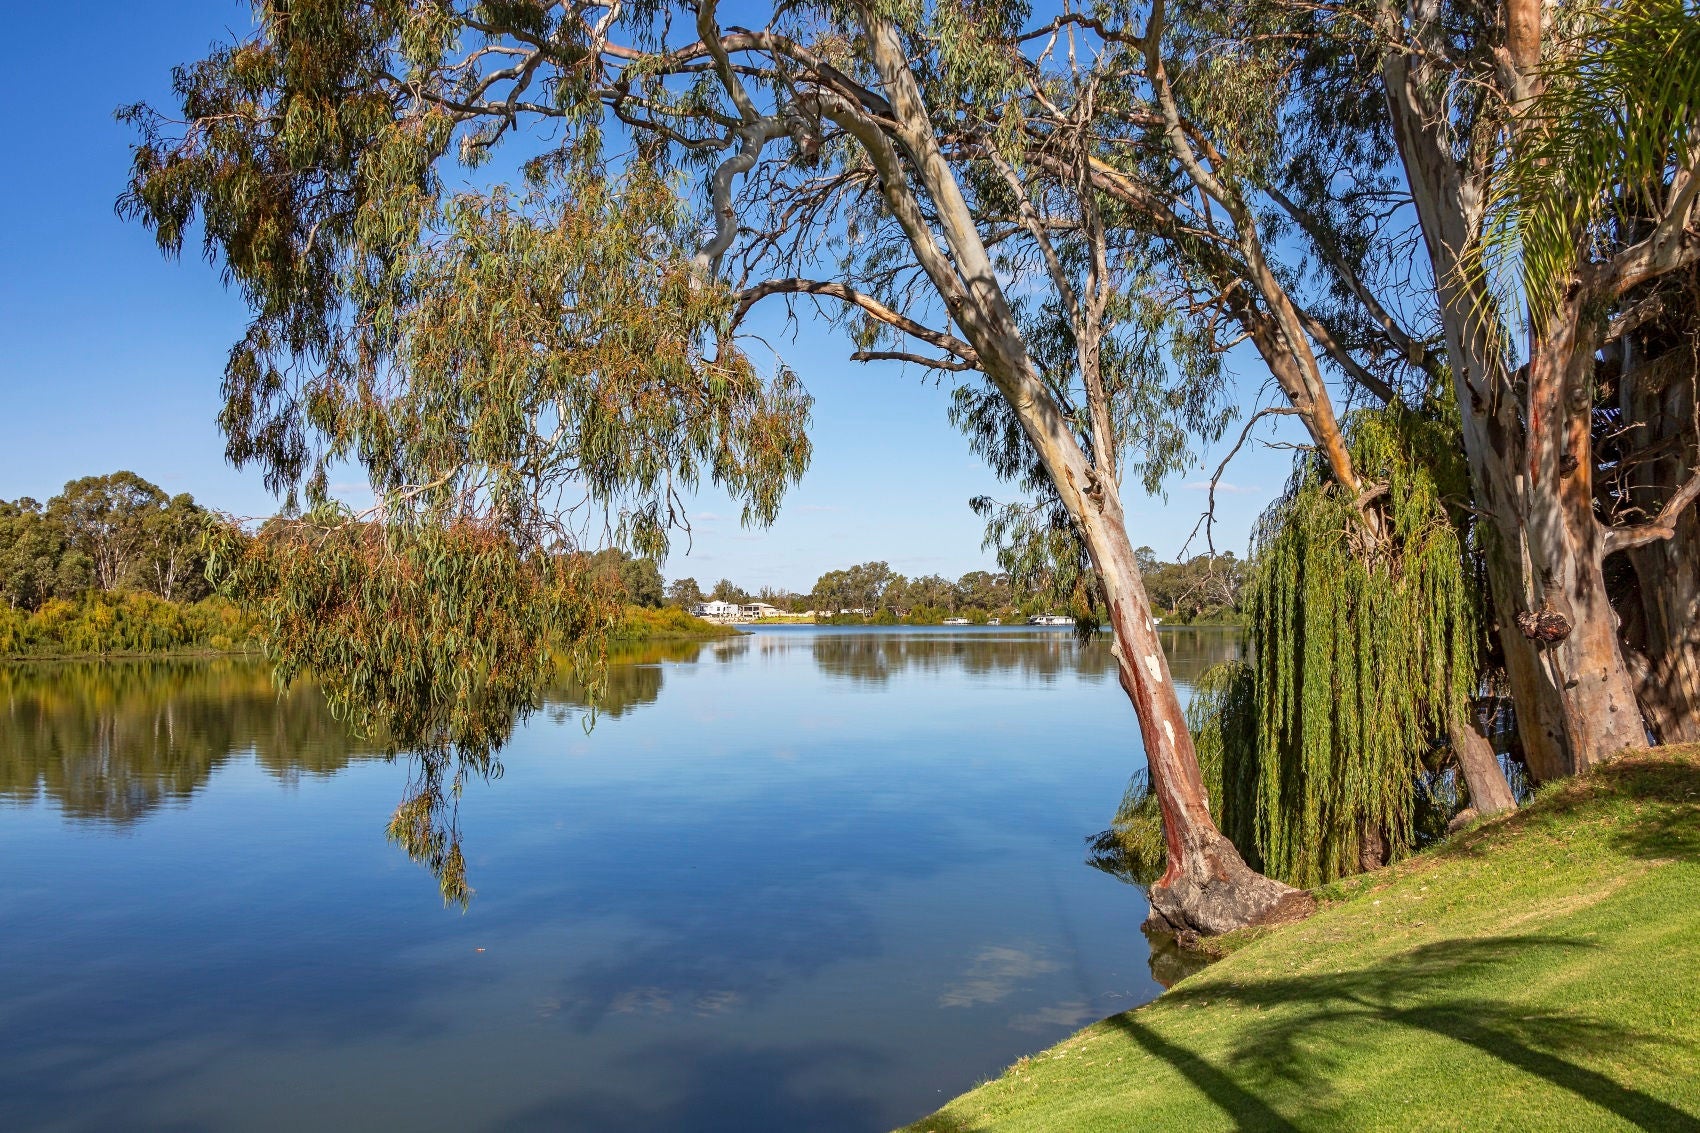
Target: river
(809, 879)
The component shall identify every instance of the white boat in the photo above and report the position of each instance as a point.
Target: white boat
(954, 622)
(994, 621)
(1050, 620)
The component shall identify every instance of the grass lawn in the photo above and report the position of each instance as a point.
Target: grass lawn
(1538, 972)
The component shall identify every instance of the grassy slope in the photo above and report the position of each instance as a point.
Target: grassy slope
(1537, 972)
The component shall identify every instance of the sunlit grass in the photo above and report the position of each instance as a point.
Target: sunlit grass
(1537, 972)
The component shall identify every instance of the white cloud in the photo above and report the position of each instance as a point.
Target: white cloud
(1224, 488)
(994, 975)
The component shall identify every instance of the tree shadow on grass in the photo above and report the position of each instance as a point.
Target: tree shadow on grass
(1662, 787)
(1315, 1020)
(1668, 794)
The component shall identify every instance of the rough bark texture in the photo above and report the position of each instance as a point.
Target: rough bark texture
(1532, 477)
(1661, 614)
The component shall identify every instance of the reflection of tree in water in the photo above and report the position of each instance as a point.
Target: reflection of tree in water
(633, 676)
(113, 741)
(1042, 655)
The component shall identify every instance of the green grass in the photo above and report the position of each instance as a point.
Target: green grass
(1538, 972)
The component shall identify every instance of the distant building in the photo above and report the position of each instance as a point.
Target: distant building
(717, 611)
(755, 611)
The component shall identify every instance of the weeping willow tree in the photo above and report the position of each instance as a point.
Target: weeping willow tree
(1365, 639)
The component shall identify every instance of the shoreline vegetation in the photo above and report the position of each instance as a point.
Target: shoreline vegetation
(131, 624)
(1549, 957)
(1204, 590)
(115, 567)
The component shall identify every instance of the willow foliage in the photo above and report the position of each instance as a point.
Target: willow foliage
(434, 640)
(1364, 647)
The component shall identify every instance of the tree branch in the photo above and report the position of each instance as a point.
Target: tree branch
(948, 342)
(910, 356)
(1663, 525)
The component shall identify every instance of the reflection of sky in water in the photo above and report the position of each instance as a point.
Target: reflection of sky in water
(802, 880)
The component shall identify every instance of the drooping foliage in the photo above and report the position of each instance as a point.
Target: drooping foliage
(1364, 646)
(1364, 643)
(433, 640)
(522, 371)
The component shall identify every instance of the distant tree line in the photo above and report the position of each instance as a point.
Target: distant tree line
(110, 564)
(1202, 589)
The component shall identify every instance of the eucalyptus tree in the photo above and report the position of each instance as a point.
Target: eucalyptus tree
(485, 352)
(37, 561)
(1573, 127)
(173, 562)
(1241, 142)
(684, 593)
(106, 518)
(1279, 149)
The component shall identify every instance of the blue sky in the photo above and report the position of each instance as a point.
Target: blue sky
(110, 356)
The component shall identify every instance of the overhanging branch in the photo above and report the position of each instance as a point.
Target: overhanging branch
(947, 342)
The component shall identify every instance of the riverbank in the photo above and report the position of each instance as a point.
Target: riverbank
(640, 625)
(129, 625)
(1539, 971)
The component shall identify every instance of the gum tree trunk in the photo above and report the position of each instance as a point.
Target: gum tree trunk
(1531, 475)
(1208, 887)
(1485, 778)
(1570, 616)
(1662, 613)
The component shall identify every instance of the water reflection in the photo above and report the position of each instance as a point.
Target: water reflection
(112, 741)
(877, 656)
(796, 880)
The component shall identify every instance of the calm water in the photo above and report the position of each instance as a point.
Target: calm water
(803, 880)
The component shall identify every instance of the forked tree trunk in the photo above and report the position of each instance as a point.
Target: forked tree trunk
(1531, 475)
(1208, 887)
